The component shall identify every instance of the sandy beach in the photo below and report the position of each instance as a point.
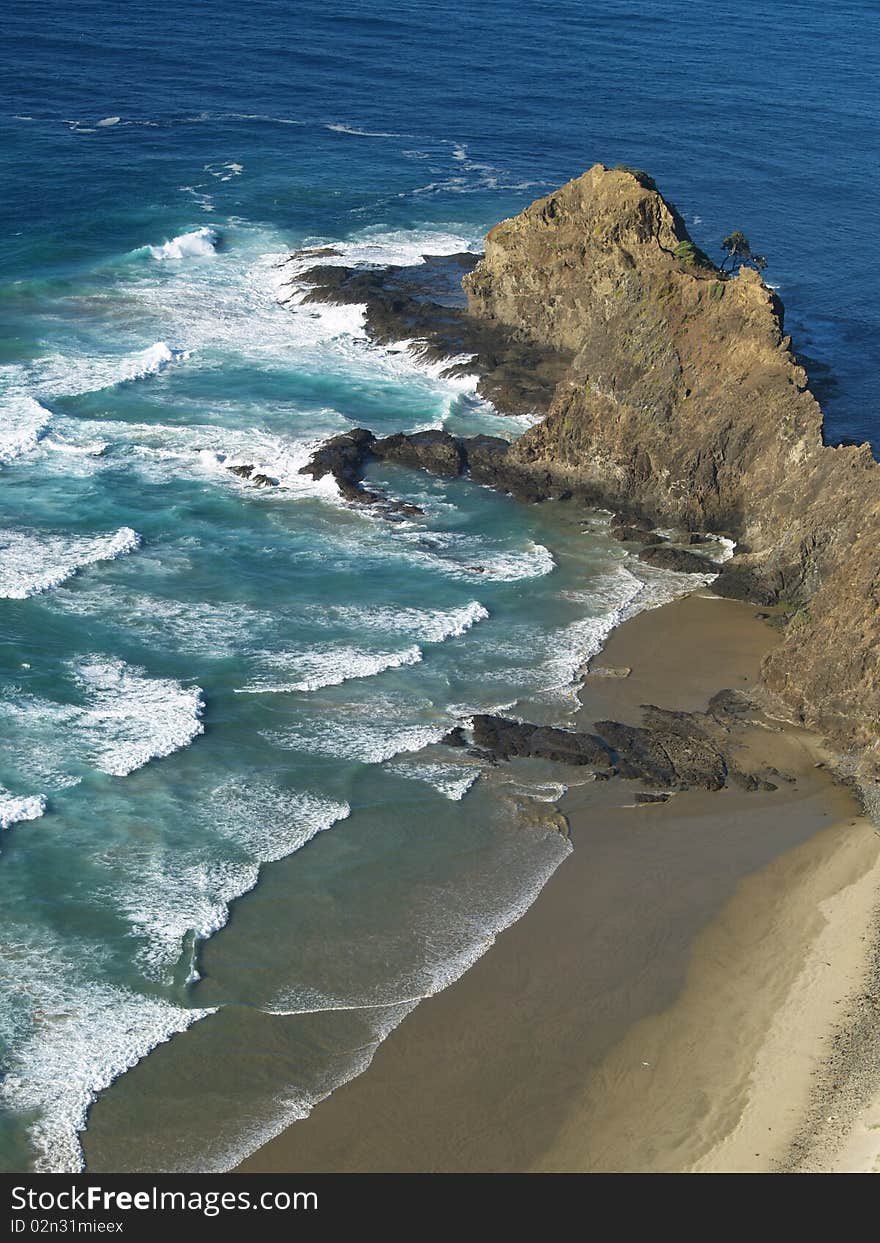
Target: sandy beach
(684, 993)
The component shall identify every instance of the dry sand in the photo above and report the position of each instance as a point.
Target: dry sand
(666, 1002)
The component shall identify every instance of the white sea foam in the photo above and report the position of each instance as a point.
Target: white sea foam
(199, 244)
(366, 732)
(225, 1151)
(268, 822)
(205, 201)
(449, 927)
(663, 586)
(150, 362)
(125, 719)
(568, 648)
(40, 742)
(96, 449)
(275, 457)
(32, 562)
(24, 421)
(172, 903)
(84, 1035)
(196, 449)
(15, 809)
(130, 718)
(474, 558)
(223, 629)
(62, 376)
(727, 547)
(428, 625)
(328, 666)
(225, 172)
(451, 780)
(339, 128)
(403, 247)
(175, 901)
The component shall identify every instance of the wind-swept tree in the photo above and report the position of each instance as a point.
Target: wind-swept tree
(738, 252)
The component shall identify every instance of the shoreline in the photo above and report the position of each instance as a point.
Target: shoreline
(648, 936)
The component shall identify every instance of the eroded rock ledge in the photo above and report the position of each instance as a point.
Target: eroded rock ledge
(424, 305)
(484, 458)
(669, 751)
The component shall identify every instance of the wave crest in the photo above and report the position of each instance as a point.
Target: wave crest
(31, 562)
(199, 243)
(330, 667)
(132, 718)
(24, 422)
(14, 809)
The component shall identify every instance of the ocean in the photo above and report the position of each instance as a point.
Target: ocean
(233, 853)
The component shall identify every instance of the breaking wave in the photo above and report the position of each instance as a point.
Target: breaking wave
(32, 562)
(200, 243)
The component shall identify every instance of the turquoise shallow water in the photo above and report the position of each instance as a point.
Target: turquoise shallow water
(226, 818)
(199, 677)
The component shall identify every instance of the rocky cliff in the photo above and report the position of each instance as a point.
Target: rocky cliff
(683, 403)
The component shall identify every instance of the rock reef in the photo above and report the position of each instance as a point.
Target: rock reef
(424, 305)
(669, 751)
(483, 458)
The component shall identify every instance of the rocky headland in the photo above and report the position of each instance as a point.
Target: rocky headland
(672, 397)
(701, 979)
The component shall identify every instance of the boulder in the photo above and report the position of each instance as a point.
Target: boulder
(506, 738)
(434, 451)
(666, 558)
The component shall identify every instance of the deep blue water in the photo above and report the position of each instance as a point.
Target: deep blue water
(196, 677)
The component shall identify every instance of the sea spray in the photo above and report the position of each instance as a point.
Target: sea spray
(200, 243)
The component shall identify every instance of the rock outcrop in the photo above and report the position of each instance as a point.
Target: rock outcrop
(484, 458)
(506, 738)
(684, 404)
(423, 305)
(669, 751)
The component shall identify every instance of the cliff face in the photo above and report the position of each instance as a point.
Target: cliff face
(684, 403)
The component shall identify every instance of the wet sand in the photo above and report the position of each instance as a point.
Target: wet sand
(667, 1000)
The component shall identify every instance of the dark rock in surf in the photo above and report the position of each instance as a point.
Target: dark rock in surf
(433, 451)
(506, 738)
(635, 535)
(666, 558)
(343, 457)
